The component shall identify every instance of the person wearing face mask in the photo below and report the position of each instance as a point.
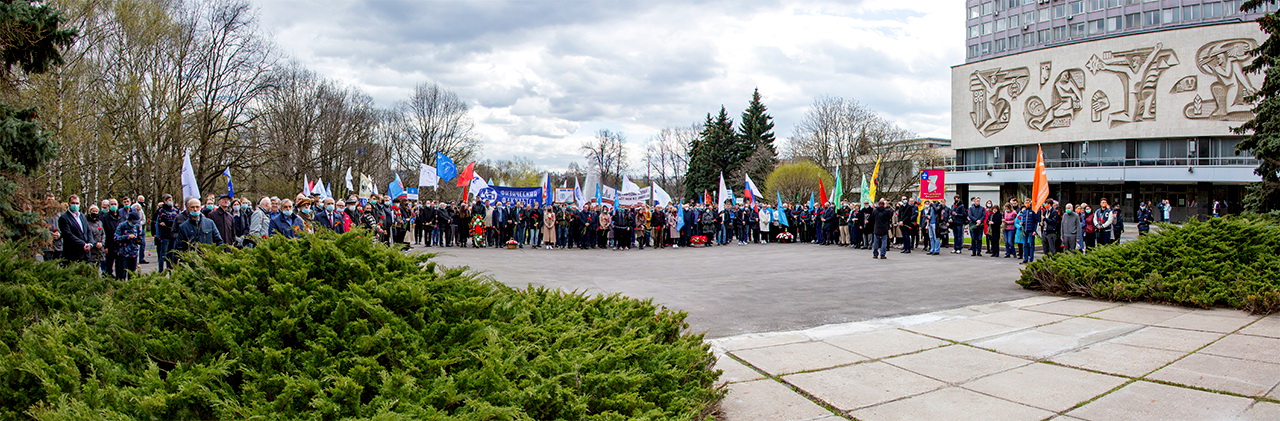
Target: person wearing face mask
(1106, 223)
(110, 220)
(244, 212)
(286, 223)
(259, 223)
(328, 218)
(97, 250)
(1030, 222)
(302, 208)
(196, 229)
(1070, 228)
(959, 219)
(1145, 218)
(209, 205)
(128, 241)
(224, 220)
(166, 220)
(1051, 227)
(75, 232)
(1089, 227)
(881, 222)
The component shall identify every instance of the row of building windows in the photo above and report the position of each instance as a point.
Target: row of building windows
(1171, 15)
(1074, 7)
(1184, 151)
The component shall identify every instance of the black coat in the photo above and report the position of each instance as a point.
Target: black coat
(882, 218)
(74, 236)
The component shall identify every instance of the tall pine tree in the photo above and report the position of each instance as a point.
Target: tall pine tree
(756, 133)
(1264, 142)
(712, 152)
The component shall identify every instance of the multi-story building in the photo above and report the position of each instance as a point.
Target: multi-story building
(1131, 100)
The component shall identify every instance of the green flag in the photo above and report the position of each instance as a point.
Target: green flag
(839, 191)
(866, 189)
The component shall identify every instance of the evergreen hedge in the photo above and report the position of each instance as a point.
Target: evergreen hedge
(333, 327)
(1232, 262)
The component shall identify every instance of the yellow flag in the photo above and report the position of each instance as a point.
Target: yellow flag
(875, 181)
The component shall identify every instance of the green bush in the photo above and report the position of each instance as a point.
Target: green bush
(333, 327)
(1233, 262)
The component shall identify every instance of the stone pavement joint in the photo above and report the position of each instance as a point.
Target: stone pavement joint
(1068, 358)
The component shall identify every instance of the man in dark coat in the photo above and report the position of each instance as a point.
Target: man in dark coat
(76, 239)
(959, 219)
(907, 223)
(224, 220)
(881, 219)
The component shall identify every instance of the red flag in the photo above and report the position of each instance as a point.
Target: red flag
(1040, 184)
(468, 174)
(822, 192)
(706, 197)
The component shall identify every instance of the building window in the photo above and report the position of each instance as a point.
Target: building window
(1173, 15)
(1001, 25)
(1013, 3)
(999, 45)
(1013, 21)
(1077, 30)
(1115, 23)
(1045, 36)
(1077, 7)
(985, 48)
(986, 28)
(1097, 27)
(986, 8)
(973, 31)
(1113, 4)
(1028, 18)
(1060, 33)
(973, 51)
(1132, 20)
(1191, 12)
(974, 12)
(1212, 10)
(1059, 11)
(1014, 42)
(1151, 18)
(1029, 39)
(1096, 5)
(1044, 15)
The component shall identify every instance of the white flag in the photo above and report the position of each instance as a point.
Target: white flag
(628, 186)
(427, 176)
(349, 186)
(189, 186)
(478, 184)
(724, 193)
(577, 194)
(319, 188)
(306, 185)
(755, 191)
(660, 196)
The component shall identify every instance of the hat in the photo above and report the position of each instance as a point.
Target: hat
(350, 201)
(134, 217)
(225, 196)
(303, 202)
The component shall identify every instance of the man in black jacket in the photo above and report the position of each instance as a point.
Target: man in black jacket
(881, 219)
(76, 240)
(907, 223)
(959, 218)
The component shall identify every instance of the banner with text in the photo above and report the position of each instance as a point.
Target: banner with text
(565, 196)
(530, 196)
(933, 184)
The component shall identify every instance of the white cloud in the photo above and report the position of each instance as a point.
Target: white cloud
(543, 76)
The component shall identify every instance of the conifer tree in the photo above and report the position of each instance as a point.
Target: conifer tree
(1264, 142)
(756, 132)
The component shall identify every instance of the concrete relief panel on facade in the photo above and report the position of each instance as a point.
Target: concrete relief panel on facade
(1066, 101)
(1224, 62)
(994, 91)
(1139, 71)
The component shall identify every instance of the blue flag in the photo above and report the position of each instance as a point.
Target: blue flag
(396, 188)
(231, 190)
(779, 214)
(599, 190)
(445, 168)
(680, 216)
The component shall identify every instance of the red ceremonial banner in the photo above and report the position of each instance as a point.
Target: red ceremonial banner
(933, 184)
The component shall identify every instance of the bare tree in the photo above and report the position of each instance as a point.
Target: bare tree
(432, 120)
(607, 153)
(666, 157)
(845, 135)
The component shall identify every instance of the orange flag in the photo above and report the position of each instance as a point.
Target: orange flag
(1040, 185)
(822, 193)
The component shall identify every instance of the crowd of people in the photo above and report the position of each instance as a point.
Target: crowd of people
(112, 234)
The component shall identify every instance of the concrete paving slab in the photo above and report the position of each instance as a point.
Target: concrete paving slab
(956, 363)
(951, 403)
(862, 385)
(1021, 318)
(1046, 386)
(1198, 320)
(792, 358)
(1261, 411)
(1267, 326)
(1090, 330)
(1249, 378)
(1032, 344)
(962, 330)
(1119, 359)
(1142, 401)
(768, 400)
(1032, 301)
(1074, 306)
(885, 343)
(734, 371)
(757, 341)
(1168, 338)
(1256, 348)
(1137, 314)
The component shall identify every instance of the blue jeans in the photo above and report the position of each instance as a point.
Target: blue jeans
(164, 249)
(935, 242)
(957, 234)
(975, 234)
(1029, 247)
(1009, 235)
(880, 245)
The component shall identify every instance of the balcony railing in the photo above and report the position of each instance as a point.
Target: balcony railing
(1111, 162)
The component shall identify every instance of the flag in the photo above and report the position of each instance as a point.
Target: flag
(189, 186)
(546, 190)
(427, 176)
(328, 190)
(615, 199)
(350, 188)
(751, 190)
(875, 180)
(465, 178)
(366, 186)
(577, 193)
(306, 186)
(396, 188)
(724, 193)
(838, 193)
(1040, 185)
(628, 186)
(599, 191)
(680, 217)
(811, 199)
(231, 190)
(477, 185)
(822, 192)
(318, 187)
(445, 169)
(779, 214)
(865, 193)
(660, 196)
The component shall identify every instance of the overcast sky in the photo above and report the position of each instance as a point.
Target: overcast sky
(541, 76)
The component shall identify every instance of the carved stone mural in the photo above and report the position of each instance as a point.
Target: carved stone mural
(1100, 103)
(993, 93)
(1066, 101)
(1224, 62)
(1139, 71)
(1046, 71)
(1186, 84)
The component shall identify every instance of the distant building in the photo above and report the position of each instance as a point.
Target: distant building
(1131, 100)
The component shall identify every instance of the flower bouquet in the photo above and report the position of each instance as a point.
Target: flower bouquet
(512, 244)
(698, 240)
(785, 237)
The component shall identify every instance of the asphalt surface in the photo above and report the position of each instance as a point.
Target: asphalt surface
(733, 290)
